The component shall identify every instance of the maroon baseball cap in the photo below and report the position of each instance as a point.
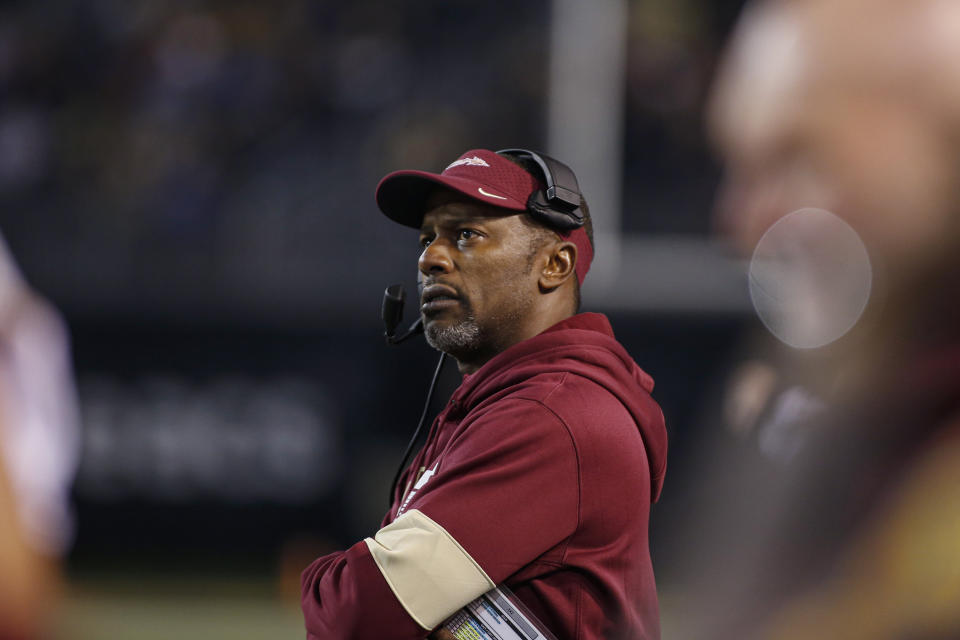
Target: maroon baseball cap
(480, 174)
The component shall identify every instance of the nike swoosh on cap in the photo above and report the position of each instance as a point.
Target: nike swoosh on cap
(490, 195)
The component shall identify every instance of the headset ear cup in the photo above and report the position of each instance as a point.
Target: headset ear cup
(559, 205)
(540, 209)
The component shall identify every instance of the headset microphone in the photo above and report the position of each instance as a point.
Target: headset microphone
(392, 313)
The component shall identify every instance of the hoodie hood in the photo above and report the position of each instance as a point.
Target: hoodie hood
(584, 345)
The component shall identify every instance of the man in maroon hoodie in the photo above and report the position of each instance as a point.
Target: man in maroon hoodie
(540, 471)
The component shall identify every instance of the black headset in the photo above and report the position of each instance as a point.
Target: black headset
(558, 205)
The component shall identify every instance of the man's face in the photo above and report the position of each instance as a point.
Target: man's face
(479, 282)
(797, 132)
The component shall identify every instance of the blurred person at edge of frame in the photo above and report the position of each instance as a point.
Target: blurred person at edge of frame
(39, 449)
(849, 106)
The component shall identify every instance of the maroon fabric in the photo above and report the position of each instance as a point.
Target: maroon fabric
(480, 174)
(344, 597)
(545, 462)
(580, 238)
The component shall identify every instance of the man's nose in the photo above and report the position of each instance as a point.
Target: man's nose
(435, 258)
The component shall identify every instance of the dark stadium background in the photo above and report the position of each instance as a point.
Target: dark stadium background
(191, 183)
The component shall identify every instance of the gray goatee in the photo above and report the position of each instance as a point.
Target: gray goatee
(457, 339)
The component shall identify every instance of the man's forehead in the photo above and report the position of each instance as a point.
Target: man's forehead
(452, 209)
(762, 81)
(792, 65)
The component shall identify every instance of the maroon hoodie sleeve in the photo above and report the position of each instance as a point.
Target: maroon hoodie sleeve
(502, 493)
(345, 596)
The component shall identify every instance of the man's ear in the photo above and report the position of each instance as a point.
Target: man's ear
(560, 267)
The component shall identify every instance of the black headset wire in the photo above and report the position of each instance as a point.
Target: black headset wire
(416, 434)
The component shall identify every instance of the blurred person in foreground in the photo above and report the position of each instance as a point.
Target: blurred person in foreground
(39, 449)
(540, 472)
(853, 107)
